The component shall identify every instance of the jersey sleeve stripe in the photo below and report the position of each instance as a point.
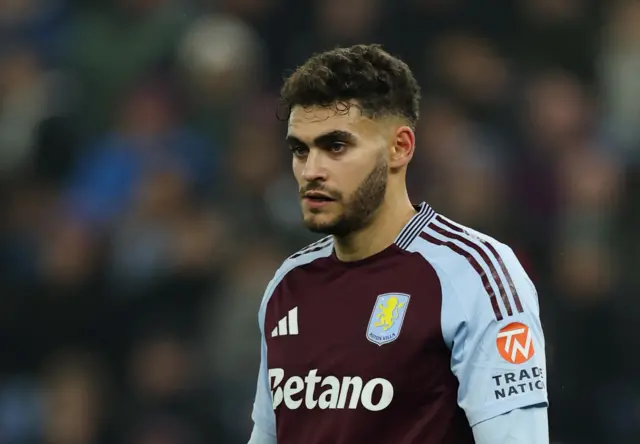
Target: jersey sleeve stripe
(499, 260)
(448, 233)
(476, 266)
(503, 267)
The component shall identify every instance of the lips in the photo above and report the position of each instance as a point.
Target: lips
(317, 196)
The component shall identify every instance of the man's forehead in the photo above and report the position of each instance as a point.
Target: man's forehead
(308, 122)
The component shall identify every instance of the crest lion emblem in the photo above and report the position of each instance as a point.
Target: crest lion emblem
(387, 317)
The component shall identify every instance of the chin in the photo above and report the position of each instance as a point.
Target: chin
(320, 223)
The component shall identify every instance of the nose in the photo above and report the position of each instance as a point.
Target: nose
(314, 169)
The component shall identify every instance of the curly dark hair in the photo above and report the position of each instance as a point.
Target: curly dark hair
(378, 83)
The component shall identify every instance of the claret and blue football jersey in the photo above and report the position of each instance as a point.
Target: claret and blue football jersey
(413, 345)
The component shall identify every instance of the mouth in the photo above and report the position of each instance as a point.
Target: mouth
(316, 200)
(317, 197)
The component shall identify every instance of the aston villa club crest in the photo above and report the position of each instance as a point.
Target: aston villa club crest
(387, 317)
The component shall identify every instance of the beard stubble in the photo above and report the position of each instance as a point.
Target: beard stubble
(360, 209)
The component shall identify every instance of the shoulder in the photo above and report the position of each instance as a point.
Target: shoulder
(317, 250)
(482, 273)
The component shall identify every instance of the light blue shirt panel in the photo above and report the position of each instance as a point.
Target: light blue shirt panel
(470, 327)
(519, 426)
(260, 437)
(262, 415)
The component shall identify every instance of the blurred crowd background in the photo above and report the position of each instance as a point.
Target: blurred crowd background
(146, 196)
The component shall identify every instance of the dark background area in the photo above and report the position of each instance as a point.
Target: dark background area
(146, 196)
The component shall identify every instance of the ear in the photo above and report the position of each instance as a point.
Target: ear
(403, 147)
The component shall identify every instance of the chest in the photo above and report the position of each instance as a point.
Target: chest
(376, 325)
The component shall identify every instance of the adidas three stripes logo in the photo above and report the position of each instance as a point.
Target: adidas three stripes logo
(287, 325)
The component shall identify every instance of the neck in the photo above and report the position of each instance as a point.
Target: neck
(387, 223)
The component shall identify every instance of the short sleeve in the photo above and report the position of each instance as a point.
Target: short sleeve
(522, 426)
(492, 325)
(262, 415)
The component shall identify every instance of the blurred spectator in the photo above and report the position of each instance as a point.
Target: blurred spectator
(233, 315)
(254, 11)
(344, 22)
(149, 137)
(469, 68)
(464, 172)
(621, 89)
(21, 411)
(111, 46)
(165, 233)
(557, 33)
(222, 63)
(39, 24)
(27, 97)
(161, 406)
(74, 400)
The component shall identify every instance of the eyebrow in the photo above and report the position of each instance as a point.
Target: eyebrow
(326, 138)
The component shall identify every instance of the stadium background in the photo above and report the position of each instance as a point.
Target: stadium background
(146, 196)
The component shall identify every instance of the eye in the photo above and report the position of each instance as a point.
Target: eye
(298, 150)
(337, 147)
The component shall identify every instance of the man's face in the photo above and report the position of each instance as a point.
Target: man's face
(340, 163)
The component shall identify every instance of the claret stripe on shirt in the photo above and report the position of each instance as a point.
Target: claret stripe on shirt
(450, 234)
(498, 258)
(476, 266)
